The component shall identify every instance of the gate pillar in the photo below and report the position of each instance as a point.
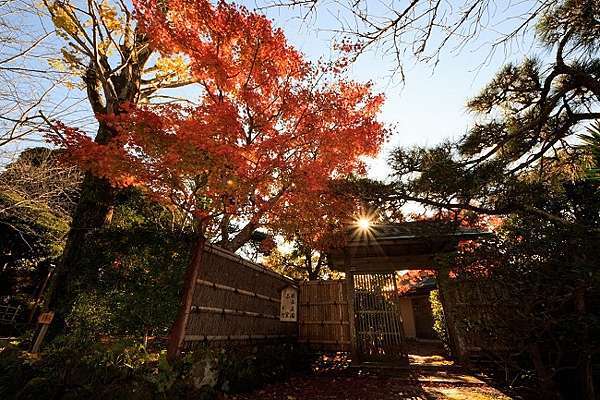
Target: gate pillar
(457, 345)
(351, 315)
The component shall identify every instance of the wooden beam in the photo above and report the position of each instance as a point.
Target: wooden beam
(177, 334)
(318, 341)
(387, 264)
(209, 338)
(217, 310)
(323, 303)
(350, 301)
(236, 290)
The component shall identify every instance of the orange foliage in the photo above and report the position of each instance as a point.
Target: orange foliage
(269, 132)
(462, 219)
(411, 278)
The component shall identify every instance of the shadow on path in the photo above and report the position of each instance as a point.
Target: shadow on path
(333, 378)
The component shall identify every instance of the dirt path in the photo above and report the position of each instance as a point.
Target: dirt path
(372, 388)
(431, 378)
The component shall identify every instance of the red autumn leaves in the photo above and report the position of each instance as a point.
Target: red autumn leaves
(267, 133)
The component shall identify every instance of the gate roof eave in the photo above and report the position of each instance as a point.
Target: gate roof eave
(383, 253)
(387, 264)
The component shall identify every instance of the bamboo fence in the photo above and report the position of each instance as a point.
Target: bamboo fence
(235, 300)
(474, 310)
(323, 321)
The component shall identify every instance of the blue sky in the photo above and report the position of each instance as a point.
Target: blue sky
(429, 106)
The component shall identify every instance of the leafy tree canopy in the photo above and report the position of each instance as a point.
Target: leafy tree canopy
(269, 132)
(37, 194)
(523, 146)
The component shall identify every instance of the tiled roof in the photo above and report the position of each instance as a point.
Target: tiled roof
(419, 229)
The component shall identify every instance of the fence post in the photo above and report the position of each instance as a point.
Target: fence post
(350, 300)
(448, 299)
(44, 320)
(177, 335)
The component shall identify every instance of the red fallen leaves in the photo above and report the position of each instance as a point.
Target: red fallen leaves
(269, 132)
(399, 386)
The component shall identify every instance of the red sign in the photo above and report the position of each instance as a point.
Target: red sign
(46, 318)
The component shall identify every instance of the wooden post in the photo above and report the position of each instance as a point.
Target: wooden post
(351, 319)
(44, 320)
(177, 334)
(40, 293)
(454, 335)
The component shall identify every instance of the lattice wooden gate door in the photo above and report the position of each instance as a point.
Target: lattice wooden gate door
(378, 324)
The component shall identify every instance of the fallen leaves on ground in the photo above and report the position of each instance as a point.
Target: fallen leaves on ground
(369, 387)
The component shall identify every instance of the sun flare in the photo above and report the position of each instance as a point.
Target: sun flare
(363, 224)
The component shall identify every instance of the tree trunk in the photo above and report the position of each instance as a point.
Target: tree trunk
(243, 237)
(313, 273)
(455, 338)
(94, 210)
(544, 375)
(585, 369)
(95, 207)
(587, 376)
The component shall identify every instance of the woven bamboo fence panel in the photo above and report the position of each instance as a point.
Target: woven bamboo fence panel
(235, 300)
(323, 321)
(477, 307)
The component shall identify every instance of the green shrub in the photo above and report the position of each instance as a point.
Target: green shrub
(131, 283)
(242, 372)
(73, 369)
(439, 319)
(15, 369)
(92, 315)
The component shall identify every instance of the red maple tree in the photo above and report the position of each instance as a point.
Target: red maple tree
(267, 132)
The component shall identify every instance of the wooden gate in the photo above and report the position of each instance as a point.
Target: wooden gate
(378, 322)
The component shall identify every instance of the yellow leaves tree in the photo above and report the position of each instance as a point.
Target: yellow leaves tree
(115, 64)
(114, 59)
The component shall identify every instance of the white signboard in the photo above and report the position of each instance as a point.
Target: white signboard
(289, 305)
